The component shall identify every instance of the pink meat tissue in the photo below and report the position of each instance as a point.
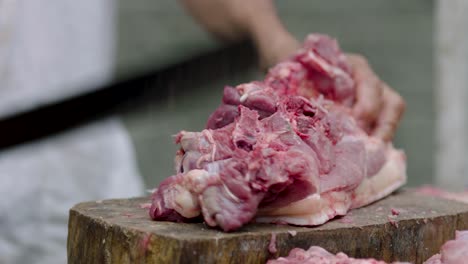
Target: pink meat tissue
(282, 150)
(452, 252)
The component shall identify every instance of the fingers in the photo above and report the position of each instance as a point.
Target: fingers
(378, 108)
(392, 112)
(368, 91)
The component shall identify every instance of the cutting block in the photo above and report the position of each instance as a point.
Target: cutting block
(120, 231)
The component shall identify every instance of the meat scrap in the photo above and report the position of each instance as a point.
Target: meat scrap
(453, 251)
(318, 255)
(395, 211)
(282, 150)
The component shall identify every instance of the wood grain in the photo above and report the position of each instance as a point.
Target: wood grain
(120, 231)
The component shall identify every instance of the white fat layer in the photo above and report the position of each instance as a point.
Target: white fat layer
(317, 209)
(244, 97)
(327, 207)
(388, 179)
(185, 203)
(333, 71)
(183, 196)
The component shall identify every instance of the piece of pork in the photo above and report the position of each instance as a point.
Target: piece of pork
(285, 150)
(303, 165)
(318, 68)
(453, 251)
(318, 255)
(266, 159)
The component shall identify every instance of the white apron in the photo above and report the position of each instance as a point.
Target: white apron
(50, 50)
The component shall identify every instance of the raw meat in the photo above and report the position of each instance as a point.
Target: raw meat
(319, 68)
(318, 255)
(395, 211)
(285, 150)
(453, 251)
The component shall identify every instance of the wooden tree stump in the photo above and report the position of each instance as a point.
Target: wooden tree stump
(120, 231)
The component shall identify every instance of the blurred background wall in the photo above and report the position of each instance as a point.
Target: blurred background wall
(396, 37)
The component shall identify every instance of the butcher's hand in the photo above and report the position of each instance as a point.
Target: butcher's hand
(235, 20)
(378, 107)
